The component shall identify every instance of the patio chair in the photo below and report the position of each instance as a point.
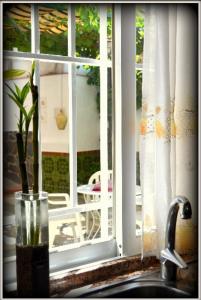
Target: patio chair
(95, 215)
(96, 177)
(58, 200)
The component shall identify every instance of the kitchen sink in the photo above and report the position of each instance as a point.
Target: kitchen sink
(149, 285)
(141, 290)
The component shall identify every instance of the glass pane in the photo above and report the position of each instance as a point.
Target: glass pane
(139, 59)
(87, 30)
(88, 141)
(53, 28)
(17, 27)
(139, 34)
(93, 224)
(109, 32)
(88, 124)
(67, 229)
(12, 180)
(139, 89)
(110, 147)
(54, 129)
(110, 109)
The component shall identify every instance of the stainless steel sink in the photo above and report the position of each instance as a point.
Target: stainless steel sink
(151, 286)
(141, 290)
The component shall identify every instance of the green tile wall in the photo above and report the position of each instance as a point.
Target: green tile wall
(56, 170)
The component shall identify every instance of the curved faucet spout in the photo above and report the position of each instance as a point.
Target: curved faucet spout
(186, 213)
(170, 259)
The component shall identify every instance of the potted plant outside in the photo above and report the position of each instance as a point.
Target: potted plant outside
(31, 205)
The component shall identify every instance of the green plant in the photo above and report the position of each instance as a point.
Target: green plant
(34, 91)
(18, 96)
(30, 235)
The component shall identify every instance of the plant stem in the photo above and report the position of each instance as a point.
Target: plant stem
(25, 186)
(21, 122)
(22, 164)
(34, 90)
(25, 144)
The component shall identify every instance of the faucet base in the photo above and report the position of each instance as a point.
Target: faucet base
(168, 271)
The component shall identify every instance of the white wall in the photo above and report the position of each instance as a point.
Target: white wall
(54, 91)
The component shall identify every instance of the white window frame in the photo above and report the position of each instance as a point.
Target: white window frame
(124, 241)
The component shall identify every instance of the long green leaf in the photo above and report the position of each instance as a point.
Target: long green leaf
(12, 91)
(21, 107)
(18, 91)
(13, 73)
(25, 91)
(31, 111)
(29, 115)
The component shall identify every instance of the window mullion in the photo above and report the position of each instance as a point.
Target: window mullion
(128, 129)
(72, 108)
(35, 34)
(104, 120)
(71, 30)
(35, 49)
(53, 58)
(117, 91)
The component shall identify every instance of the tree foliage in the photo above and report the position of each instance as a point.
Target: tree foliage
(18, 34)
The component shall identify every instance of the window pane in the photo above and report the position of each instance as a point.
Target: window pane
(87, 31)
(53, 28)
(12, 180)
(54, 127)
(110, 114)
(88, 122)
(110, 148)
(17, 27)
(88, 146)
(69, 229)
(139, 59)
(139, 88)
(139, 34)
(109, 32)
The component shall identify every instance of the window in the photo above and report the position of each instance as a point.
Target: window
(139, 62)
(83, 132)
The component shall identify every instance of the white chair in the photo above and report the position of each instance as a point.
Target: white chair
(58, 200)
(96, 177)
(95, 215)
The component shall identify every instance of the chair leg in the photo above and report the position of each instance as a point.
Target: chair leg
(92, 227)
(99, 226)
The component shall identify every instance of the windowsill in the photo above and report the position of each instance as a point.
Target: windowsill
(105, 273)
(102, 273)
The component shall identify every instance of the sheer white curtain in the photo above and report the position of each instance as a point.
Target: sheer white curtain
(169, 118)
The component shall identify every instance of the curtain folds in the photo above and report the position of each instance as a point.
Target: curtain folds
(168, 128)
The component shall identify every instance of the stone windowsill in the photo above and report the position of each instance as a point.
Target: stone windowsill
(104, 273)
(62, 282)
(108, 272)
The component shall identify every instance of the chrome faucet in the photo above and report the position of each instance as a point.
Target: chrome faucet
(170, 259)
